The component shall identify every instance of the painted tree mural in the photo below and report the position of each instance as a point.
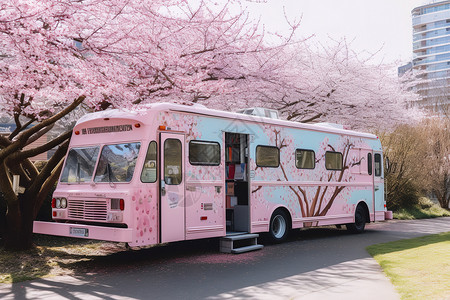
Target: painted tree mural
(317, 191)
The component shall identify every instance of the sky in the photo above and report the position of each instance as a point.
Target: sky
(374, 26)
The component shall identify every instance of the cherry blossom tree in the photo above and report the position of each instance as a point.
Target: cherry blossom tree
(335, 84)
(56, 56)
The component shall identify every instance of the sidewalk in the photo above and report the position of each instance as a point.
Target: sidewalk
(358, 279)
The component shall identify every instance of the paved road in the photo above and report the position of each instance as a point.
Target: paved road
(319, 263)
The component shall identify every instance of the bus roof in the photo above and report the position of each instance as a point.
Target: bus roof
(141, 114)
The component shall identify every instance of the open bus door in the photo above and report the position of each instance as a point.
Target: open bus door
(172, 208)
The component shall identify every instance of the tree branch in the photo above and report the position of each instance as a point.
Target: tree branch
(311, 118)
(39, 134)
(17, 168)
(46, 171)
(47, 187)
(41, 149)
(24, 136)
(6, 185)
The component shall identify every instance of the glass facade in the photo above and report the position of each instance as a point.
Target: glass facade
(431, 49)
(431, 34)
(438, 49)
(433, 59)
(432, 42)
(428, 10)
(433, 25)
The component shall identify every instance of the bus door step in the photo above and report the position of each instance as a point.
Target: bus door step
(240, 243)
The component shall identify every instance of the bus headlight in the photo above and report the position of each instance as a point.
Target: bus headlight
(63, 203)
(59, 203)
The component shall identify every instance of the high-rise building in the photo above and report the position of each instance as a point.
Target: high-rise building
(431, 53)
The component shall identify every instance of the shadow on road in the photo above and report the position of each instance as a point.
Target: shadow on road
(311, 259)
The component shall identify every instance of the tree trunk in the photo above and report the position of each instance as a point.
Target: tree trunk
(18, 234)
(442, 192)
(2, 221)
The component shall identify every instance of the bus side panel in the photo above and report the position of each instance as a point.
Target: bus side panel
(316, 213)
(318, 196)
(204, 210)
(144, 214)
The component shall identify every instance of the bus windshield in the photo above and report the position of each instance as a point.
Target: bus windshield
(80, 163)
(117, 162)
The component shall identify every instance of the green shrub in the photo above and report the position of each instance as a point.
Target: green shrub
(425, 209)
(425, 203)
(408, 196)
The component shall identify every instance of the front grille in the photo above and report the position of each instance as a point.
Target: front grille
(95, 210)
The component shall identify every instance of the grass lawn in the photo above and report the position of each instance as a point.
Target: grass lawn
(419, 268)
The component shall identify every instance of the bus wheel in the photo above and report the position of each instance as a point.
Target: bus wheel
(360, 220)
(279, 226)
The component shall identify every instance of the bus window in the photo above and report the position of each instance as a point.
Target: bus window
(305, 159)
(204, 153)
(267, 156)
(377, 164)
(149, 171)
(117, 162)
(369, 163)
(172, 162)
(333, 161)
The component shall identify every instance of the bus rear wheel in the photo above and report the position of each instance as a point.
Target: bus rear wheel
(279, 226)
(360, 220)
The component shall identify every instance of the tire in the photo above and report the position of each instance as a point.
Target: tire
(279, 226)
(360, 220)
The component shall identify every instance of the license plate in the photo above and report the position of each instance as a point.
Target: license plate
(83, 232)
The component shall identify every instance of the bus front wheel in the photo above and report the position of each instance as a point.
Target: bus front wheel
(279, 226)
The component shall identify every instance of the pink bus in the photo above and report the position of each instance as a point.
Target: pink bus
(178, 172)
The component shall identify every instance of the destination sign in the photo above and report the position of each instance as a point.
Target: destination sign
(107, 129)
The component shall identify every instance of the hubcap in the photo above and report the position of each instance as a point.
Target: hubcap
(278, 226)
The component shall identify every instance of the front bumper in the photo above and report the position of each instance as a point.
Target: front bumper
(124, 235)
